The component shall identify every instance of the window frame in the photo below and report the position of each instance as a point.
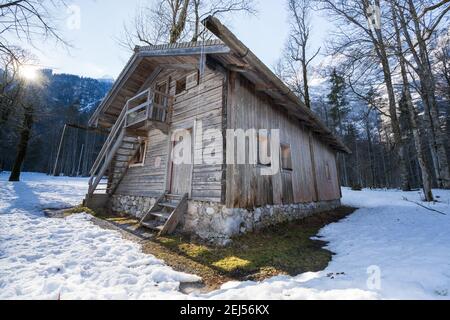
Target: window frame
(183, 78)
(140, 164)
(286, 145)
(258, 149)
(328, 171)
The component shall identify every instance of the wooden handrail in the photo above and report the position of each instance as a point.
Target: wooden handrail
(112, 142)
(139, 107)
(112, 134)
(115, 134)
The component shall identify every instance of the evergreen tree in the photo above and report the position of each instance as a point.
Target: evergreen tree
(337, 101)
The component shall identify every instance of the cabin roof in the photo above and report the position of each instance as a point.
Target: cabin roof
(231, 53)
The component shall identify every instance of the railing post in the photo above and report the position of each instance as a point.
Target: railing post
(126, 115)
(147, 111)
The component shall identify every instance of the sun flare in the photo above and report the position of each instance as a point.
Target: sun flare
(29, 72)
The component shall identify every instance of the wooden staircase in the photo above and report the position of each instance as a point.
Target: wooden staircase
(140, 114)
(166, 214)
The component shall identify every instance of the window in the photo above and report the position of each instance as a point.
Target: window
(192, 80)
(327, 171)
(139, 157)
(264, 154)
(180, 86)
(187, 82)
(286, 157)
(160, 88)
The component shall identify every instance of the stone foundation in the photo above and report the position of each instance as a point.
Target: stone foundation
(215, 223)
(136, 206)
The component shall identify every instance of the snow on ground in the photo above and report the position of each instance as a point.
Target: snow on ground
(70, 258)
(388, 249)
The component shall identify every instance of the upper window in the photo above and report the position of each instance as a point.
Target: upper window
(327, 171)
(139, 157)
(161, 88)
(187, 82)
(264, 154)
(180, 86)
(286, 157)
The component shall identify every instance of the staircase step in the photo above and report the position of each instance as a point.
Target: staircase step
(174, 196)
(130, 139)
(162, 215)
(171, 205)
(153, 226)
(124, 154)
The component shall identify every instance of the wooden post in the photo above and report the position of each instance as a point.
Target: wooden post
(59, 150)
(79, 161)
(313, 166)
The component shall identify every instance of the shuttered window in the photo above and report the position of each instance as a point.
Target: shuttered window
(264, 154)
(192, 80)
(180, 86)
(139, 157)
(327, 171)
(286, 157)
(187, 82)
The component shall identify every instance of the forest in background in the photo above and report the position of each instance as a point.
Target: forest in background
(61, 99)
(382, 85)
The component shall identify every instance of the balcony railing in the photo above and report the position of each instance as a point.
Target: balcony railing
(148, 105)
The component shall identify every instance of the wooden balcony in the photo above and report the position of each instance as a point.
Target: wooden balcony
(148, 110)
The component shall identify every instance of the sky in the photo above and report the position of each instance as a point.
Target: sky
(95, 51)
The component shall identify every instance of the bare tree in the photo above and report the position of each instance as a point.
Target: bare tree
(27, 105)
(9, 90)
(22, 20)
(171, 21)
(220, 8)
(360, 28)
(413, 114)
(296, 54)
(26, 20)
(443, 61)
(418, 27)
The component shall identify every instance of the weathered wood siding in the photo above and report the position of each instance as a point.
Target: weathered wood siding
(149, 179)
(328, 187)
(200, 103)
(246, 187)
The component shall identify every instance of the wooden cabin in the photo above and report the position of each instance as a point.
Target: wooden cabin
(213, 86)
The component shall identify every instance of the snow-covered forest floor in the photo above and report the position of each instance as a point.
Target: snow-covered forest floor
(388, 249)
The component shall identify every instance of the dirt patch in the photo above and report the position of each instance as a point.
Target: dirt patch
(285, 249)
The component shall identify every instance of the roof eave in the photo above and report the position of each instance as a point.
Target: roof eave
(223, 33)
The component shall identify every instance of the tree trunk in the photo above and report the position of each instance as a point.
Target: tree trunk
(370, 150)
(438, 138)
(398, 140)
(413, 117)
(23, 144)
(380, 50)
(197, 21)
(305, 79)
(178, 26)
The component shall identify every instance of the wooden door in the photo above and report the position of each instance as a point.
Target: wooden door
(181, 174)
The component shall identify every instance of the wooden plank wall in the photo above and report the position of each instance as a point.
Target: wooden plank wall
(200, 103)
(148, 180)
(328, 187)
(246, 188)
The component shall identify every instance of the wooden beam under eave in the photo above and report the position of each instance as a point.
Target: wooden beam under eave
(180, 66)
(215, 49)
(137, 133)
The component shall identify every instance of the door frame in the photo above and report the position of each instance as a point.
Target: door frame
(169, 180)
